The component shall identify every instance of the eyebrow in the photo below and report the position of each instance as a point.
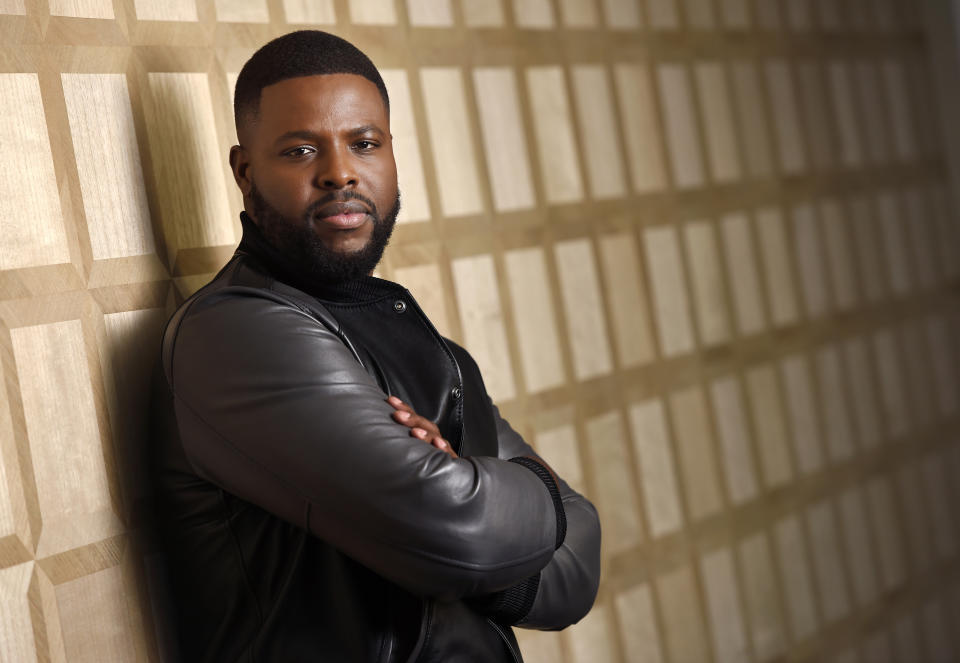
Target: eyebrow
(310, 135)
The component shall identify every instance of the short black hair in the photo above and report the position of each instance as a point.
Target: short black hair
(295, 54)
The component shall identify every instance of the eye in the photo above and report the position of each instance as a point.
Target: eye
(299, 151)
(365, 145)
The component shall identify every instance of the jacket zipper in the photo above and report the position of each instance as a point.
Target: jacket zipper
(503, 636)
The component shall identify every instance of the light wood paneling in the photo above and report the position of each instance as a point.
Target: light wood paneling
(553, 128)
(768, 633)
(704, 252)
(802, 413)
(796, 576)
(108, 164)
(613, 490)
(639, 117)
(774, 248)
(744, 273)
(533, 14)
(430, 13)
(182, 130)
(82, 8)
(592, 638)
(455, 160)
(670, 304)
(68, 463)
(312, 11)
(784, 107)
(698, 462)
(583, 309)
(686, 637)
(17, 643)
(32, 224)
(481, 318)
(174, 10)
(734, 439)
(680, 119)
(721, 141)
(504, 140)
(242, 11)
(97, 622)
(859, 546)
(708, 286)
(626, 299)
(372, 12)
(769, 425)
(622, 14)
(827, 562)
(638, 628)
(723, 606)
(752, 116)
(406, 148)
(561, 447)
(535, 319)
(598, 133)
(656, 467)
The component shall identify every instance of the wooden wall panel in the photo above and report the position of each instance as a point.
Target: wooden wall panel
(108, 164)
(537, 339)
(705, 252)
(553, 128)
(504, 142)
(33, 231)
(71, 475)
(457, 175)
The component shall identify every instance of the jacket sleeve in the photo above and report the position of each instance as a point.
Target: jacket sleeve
(272, 406)
(566, 587)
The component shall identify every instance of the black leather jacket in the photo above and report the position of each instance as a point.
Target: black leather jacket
(303, 524)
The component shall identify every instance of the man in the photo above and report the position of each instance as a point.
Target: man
(334, 482)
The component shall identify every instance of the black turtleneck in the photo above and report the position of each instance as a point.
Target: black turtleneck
(364, 289)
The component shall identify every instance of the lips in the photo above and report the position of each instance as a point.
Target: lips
(343, 216)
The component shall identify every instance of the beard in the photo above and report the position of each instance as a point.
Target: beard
(306, 254)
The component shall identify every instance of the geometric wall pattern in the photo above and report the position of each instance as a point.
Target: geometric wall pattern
(703, 250)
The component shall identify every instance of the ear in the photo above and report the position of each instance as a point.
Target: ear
(240, 165)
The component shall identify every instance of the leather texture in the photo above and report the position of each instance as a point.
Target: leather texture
(302, 523)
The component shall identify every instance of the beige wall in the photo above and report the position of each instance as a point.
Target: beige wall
(703, 250)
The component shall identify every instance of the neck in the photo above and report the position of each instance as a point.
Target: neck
(255, 245)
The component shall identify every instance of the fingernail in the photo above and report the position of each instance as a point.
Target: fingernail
(403, 416)
(443, 444)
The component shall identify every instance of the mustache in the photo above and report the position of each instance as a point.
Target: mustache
(341, 197)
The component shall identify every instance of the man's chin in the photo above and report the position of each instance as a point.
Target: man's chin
(319, 251)
(346, 243)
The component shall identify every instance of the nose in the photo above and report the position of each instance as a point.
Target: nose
(338, 170)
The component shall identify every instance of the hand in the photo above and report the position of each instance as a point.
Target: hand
(420, 427)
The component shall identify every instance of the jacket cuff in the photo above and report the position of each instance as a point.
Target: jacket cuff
(547, 478)
(511, 605)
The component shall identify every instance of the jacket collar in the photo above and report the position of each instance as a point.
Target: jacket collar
(255, 245)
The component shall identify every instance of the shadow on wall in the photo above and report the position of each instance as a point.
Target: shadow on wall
(181, 204)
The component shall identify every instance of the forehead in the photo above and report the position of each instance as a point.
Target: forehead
(326, 101)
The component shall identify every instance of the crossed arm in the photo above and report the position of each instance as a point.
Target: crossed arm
(567, 586)
(441, 526)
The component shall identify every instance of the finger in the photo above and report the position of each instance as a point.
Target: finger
(419, 433)
(398, 404)
(412, 420)
(415, 421)
(443, 446)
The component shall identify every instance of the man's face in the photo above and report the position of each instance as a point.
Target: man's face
(318, 174)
